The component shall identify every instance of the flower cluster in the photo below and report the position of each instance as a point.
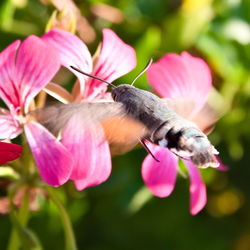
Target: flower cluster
(82, 154)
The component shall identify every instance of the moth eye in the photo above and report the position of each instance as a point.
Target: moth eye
(114, 96)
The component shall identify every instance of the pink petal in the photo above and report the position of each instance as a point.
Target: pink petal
(221, 167)
(72, 52)
(9, 128)
(160, 176)
(197, 189)
(53, 160)
(36, 64)
(8, 88)
(181, 76)
(90, 150)
(9, 152)
(116, 59)
(101, 171)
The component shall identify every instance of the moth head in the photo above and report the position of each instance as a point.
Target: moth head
(119, 92)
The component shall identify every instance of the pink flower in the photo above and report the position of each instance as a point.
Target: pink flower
(90, 150)
(9, 152)
(186, 80)
(25, 68)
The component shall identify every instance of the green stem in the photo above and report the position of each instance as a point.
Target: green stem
(68, 230)
(23, 213)
(26, 160)
(23, 216)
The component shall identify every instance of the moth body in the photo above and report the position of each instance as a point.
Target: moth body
(165, 127)
(134, 115)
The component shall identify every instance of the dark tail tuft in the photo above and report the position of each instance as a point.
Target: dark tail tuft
(204, 159)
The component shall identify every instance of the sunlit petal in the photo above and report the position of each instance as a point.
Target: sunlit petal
(72, 51)
(116, 59)
(36, 64)
(9, 128)
(181, 76)
(8, 88)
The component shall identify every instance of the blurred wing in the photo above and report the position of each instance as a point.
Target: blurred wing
(204, 119)
(122, 131)
(183, 107)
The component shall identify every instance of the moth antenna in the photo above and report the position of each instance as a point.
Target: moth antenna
(148, 150)
(143, 71)
(95, 77)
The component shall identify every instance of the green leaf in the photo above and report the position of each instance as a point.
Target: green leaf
(8, 172)
(140, 198)
(7, 10)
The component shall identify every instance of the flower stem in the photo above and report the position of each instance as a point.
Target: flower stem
(23, 216)
(68, 230)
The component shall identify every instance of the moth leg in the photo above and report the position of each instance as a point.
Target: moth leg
(181, 157)
(147, 149)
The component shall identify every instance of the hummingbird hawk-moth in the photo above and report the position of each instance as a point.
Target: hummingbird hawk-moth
(135, 115)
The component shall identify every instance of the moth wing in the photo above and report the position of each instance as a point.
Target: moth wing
(212, 111)
(121, 130)
(123, 133)
(205, 118)
(181, 106)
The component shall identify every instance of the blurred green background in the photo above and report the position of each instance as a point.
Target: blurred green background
(121, 213)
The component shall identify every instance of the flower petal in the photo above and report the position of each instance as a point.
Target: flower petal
(197, 189)
(58, 92)
(9, 152)
(9, 128)
(116, 59)
(8, 88)
(72, 52)
(90, 150)
(160, 176)
(181, 76)
(36, 64)
(53, 160)
(222, 167)
(101, 171)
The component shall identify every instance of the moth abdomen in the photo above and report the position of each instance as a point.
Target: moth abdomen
(186, 141)
(204, 159)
